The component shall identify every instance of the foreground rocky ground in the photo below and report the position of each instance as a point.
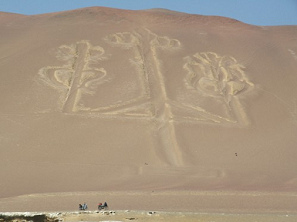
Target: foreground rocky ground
(144, 216)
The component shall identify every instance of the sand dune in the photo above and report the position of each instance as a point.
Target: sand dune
(107, 100)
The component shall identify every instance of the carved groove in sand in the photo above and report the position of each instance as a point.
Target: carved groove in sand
(77, 78)
(162, 107)
(222, 80)
(79, 75)
(153, 85)
(131, 41)
(209, 77)
(83, 72)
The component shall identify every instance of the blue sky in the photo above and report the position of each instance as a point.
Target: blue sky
(257, 12)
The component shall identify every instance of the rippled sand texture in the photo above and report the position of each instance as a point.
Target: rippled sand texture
(100, 100)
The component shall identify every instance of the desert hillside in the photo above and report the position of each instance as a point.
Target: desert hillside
(100, 99)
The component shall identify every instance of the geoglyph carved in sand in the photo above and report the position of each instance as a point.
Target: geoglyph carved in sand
(208, 75)
(78, 77)
(153, 85)
(131, 41)
(221, 78)
(80, 74)
(162, 107)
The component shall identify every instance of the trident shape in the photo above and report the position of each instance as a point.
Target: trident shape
(154, 86)
(208, 75)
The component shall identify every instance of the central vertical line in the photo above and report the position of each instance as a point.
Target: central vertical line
(82, 49)
(165, 135)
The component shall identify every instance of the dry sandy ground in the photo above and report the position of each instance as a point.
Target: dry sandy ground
(147, 108)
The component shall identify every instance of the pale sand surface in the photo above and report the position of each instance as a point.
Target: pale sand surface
(174, 201)
(147, 110)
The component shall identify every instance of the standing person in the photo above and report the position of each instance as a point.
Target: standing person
(85, 206)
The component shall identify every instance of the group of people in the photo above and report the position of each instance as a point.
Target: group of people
(83, 206)
(100, 206)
